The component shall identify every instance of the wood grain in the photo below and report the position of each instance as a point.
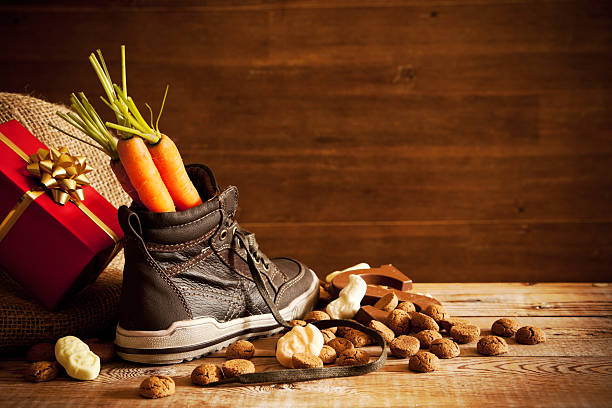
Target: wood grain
(573, 368)
(458, 140)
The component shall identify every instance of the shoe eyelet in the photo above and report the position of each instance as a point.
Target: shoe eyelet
(256, 261)
(223, 235)
(266, 267)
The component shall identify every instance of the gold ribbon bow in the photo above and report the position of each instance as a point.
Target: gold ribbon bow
(63, 174)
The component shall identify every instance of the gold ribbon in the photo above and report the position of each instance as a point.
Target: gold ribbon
(66, 175)
(63, 174)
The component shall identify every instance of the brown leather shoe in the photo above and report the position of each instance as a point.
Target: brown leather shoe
(194, 281)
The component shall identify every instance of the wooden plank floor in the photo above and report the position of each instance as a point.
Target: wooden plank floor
(573, 368)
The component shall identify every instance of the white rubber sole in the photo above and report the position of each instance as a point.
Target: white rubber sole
(188, 339)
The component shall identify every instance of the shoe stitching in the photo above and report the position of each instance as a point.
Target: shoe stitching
(165, 277)
(177, 247)
(290, 284)
(176, 269)
(225, 318)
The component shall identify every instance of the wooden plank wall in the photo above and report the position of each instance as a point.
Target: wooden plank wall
(459, 140)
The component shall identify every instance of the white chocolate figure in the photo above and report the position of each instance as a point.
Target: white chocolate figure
(349, 299)
(83, 366)
(75, 356)
(300, 339)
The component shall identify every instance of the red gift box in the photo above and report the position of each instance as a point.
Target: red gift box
(52, 250)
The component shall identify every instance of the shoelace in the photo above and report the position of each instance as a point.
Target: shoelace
(247, 239)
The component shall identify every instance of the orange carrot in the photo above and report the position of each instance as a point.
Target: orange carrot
(124, 180)
(143, 174)
(168, 161)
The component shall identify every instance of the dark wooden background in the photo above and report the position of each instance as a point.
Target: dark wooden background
(458, 140)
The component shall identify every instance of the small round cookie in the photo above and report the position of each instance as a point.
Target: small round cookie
(41, 352)
(340, 344)
(240, 349)
(423, 362)
(328, 355)
(318, 315)
(420, 321)
(407, 307)
(446, 324)
(306, 360)
(530, 335)
(358, 338)
(296, 322)
(384, 331)
(206, 374)
(327, 336)
(315, 316)
(436, 312)
(492, 346)
(41, 371)
(404, 346)
(505, 327)
(157, 386)
(399, 322)
(353, 357)
(342, 330)
(237, 366)
(426, 337)
(105, 350)
(387, 302)
(465, 333)
(445, 348)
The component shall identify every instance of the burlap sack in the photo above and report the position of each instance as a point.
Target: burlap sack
(93, 312)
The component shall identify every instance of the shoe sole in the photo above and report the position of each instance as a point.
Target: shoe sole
(188, 339)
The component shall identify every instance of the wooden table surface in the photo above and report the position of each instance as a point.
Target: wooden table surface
(573, 368)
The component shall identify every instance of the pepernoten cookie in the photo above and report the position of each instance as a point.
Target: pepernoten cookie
(436, 312)
(240, 349)
(206, 374)
(446, 324)
(157, 386)
(383, 330)
(306, 360)
(105, 350)
(399, 321)
(353, 357)
(387, 302)
(423, 362)
(340, 344)
(492, 346)
(445, 348)
(505, 327)
(465, 333)
(426, 337)
(328, 355)
(327, 336)
(530, 335)
(358, 338)
(237, 366)
(41, 371)
(420, 321)
(404, 346)
(406, 307)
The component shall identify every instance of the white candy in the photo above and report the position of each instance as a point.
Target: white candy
(75, 356)
(332, 275)
(66, 346)
(349, 299)
(83, 366)
(300, 339)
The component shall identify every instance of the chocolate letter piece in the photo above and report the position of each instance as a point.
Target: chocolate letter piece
(381, 281)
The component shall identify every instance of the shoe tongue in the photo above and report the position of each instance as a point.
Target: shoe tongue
(204, 181)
